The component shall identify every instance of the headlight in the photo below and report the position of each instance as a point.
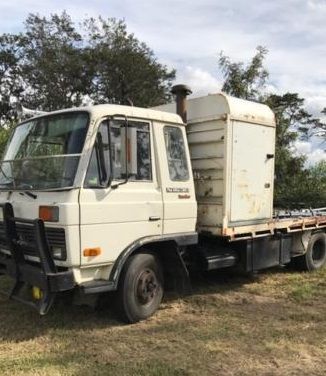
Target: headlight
(58, 253)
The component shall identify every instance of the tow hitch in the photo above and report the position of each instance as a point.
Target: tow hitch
(43, 276)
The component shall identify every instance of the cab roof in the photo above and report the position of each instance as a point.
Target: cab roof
(102, 110)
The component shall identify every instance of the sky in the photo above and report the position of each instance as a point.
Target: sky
(188, 36)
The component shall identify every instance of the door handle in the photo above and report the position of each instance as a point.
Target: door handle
(154, 218)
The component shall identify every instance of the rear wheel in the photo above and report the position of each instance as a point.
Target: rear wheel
(140, 290)
(315, 257)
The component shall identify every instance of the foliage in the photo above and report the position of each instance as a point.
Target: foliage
(321, 130)
(4, 135)
(11, 84)
(295, 185)
(53, 67)
(125, 70)
(244, 81)
(307, 188)
(54, 64)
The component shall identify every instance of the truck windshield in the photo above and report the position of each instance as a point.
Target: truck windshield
(43, 153)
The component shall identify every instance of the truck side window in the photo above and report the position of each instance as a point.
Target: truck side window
(138, 154)
(176, 154)
(93, 177)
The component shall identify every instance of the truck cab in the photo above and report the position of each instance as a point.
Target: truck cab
(97, 185)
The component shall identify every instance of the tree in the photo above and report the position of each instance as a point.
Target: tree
(54, 64)
(53, 67)
(292, 121)
(11, 85)
(321, 129)
(306, 189)
(241, 81)
(125, 69)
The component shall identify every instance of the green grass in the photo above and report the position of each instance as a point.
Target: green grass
(272, 324)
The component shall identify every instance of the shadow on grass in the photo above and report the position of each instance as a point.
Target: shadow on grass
(21, 323)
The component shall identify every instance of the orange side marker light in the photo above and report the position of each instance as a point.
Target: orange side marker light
(91, 252)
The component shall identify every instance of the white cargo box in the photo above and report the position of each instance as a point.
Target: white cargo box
(232, 147)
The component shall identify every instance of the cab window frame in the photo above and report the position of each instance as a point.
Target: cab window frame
(186, 161)
(110, 173)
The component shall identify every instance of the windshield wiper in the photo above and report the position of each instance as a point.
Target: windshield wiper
(30, 194)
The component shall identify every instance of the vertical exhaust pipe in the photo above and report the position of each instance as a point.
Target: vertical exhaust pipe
(181, 92)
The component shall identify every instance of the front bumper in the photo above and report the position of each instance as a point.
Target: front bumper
(43, 274)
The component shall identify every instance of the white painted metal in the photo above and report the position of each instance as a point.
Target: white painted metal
(252, 173)
(229, 140)
(67, 201)
(114, 219)
(179, 200)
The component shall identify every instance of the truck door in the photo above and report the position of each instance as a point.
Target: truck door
(115, 215)
(180, 207)
(252, 171)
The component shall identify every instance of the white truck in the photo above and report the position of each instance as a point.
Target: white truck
(128, 200)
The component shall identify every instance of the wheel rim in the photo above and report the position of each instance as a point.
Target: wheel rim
(318, 252)
(147, 287)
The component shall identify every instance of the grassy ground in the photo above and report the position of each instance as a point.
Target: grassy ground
(273, 324)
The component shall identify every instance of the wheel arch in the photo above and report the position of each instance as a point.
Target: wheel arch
(301, 241)
(306, 260)
(168, 248)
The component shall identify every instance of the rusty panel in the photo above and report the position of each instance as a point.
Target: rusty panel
(213, 144)
(209, 214)
(212, 187)
(269, 227)
(207, 150)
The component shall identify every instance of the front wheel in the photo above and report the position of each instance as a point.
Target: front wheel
(140, 289)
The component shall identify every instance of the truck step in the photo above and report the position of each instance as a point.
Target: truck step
(226, 260)
(97, 286)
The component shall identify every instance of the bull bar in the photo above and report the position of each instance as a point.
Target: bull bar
(43, 274)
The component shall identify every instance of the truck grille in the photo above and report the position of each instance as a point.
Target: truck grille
(55, 237)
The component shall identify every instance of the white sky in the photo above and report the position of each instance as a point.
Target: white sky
(188, 36)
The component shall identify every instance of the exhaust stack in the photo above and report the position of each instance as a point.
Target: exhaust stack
(181, 92)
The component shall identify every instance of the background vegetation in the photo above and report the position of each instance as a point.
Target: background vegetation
(54, 63)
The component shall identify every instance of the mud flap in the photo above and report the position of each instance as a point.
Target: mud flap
(177, 271)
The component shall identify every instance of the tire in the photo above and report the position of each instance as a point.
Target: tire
(315, 257)
(140, 290)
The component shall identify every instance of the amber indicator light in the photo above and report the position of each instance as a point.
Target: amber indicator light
(49, 213)
(91, 252)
